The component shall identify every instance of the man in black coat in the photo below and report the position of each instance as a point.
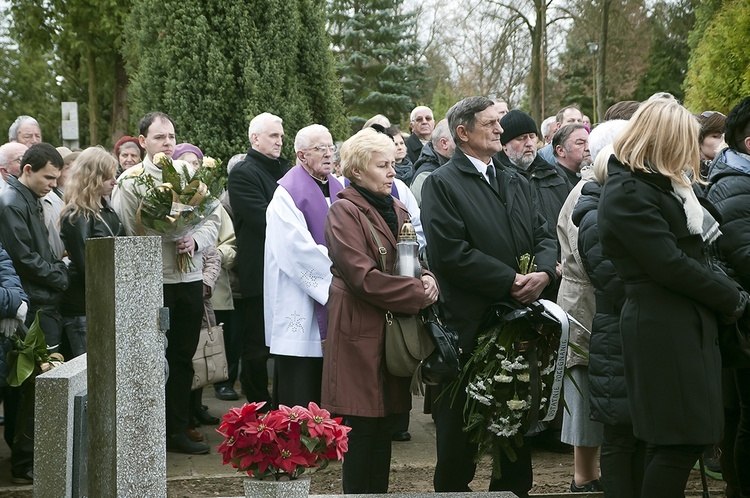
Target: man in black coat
(44, 278)
(434, 154)
(479, 217)
(251, 186)
(548, 186)
(422, 123)
(729, 191)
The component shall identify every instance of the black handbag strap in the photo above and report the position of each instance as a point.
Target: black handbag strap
(381, 248)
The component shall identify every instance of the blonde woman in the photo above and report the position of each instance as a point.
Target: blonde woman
(356, 383)
(655, 232)
(87, 214)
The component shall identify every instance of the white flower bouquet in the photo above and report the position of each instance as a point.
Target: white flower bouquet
(511, 376)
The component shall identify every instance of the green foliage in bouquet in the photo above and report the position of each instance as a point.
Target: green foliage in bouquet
(181, 203)
(29, 357)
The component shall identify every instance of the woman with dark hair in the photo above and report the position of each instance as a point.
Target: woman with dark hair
(87, 214)
(711, 138)
(404, 166)
(356, 383)
(656, 233)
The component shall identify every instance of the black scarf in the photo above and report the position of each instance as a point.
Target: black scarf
(383, 204)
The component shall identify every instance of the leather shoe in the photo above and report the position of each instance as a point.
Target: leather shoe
(181, 443)
(205, 418)
(589, 487)
(401, 436)
(24, 477)
(194, 435)
(226, 394)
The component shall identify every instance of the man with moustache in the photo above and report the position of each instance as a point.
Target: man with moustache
(548, 186)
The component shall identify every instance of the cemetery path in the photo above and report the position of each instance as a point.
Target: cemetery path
(411, 470)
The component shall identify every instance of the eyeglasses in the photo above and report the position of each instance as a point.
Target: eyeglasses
(323, 148)
(708, 114)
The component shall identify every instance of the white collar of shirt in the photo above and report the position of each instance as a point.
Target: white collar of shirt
(480, 166)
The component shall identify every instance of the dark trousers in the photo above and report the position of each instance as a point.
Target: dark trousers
(254, 372)
(368, 462)
(455, 453)
(185, 303)
(668, 468)
(19, 401)
(735, 449)
(233, 321)
(622, 461)
(296, 380)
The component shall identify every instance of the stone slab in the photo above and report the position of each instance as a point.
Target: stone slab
(53, 430)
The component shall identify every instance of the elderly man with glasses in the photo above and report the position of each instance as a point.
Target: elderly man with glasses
(422, 123)
(297, 270)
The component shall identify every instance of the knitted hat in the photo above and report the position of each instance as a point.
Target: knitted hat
(184, 148)
(515, 124)
(125, 140)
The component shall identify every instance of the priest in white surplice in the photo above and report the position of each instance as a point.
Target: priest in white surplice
(297, 271)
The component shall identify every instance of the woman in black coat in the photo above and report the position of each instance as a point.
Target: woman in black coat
(87, 214)
(622, 454)
(651, 228)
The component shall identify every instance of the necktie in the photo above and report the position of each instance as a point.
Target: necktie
(492, 177)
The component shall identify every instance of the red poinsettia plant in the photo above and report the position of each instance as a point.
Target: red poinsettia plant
(281, 442)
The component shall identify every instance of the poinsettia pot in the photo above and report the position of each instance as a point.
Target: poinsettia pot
(256, 488)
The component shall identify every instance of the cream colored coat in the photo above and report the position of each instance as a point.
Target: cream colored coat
(576, 294)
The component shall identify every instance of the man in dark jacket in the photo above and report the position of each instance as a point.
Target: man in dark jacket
(422, 123)
(44, 277)
(479, 218)
(519, 153)
(251, 186)
(434, 154)
(729, 191)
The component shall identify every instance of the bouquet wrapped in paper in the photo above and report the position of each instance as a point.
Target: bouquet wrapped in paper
(181, 204)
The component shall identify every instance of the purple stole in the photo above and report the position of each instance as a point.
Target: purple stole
(309, 199)
(394, 190)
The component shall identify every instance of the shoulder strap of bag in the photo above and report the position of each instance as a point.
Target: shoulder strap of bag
(381, 248)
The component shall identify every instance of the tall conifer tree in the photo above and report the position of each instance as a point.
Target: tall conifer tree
(214, 64)
(373, 42)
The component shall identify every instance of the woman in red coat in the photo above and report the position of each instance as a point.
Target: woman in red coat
(356, 383)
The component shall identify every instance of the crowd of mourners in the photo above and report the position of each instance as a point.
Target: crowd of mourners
(638, 225)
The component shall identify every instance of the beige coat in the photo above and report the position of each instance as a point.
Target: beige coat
(576, 294)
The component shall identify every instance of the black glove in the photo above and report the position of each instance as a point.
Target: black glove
(739, 311)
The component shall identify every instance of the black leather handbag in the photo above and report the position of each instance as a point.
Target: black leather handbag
(442, 365)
